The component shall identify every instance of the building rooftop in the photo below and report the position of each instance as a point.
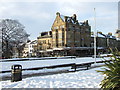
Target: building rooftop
(72, 19)
(118, 31)
(100, 34)
(45, 34)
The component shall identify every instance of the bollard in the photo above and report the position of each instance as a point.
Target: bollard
(16, 73)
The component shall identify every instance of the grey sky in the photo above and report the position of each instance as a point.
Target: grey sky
(39, 16)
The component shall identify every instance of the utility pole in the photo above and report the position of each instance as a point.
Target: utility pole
(95, 35)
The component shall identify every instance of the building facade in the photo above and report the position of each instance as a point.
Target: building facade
(44, 43)
(67, 35)
(30, 49)
(117, 35)
(104, 42)
(68, 32)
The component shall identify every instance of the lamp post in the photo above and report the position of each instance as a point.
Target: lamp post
(95, 36)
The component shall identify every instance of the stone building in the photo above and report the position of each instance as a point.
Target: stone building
(100, 42)
(68, 32)
(104, 42)
(44, 43)
(68, 36)
(111, 41)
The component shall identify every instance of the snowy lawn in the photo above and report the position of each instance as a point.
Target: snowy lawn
(82, 79)
(41, 63)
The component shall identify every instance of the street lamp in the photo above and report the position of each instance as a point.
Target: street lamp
(95, 34)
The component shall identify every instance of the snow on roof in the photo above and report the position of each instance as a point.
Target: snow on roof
(117, 38)
(57, 48)
(100, 47)
(49, 50)
(67, 48)
(104, 36)
(110, 36)
(77, 48)
(92, 35)
(100, 35)
(73, 20)
(81, 23)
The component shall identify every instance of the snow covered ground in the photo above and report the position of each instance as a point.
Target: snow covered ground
(41, 63)
(81, 79)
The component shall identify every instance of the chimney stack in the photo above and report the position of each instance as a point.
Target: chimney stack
(75, 17)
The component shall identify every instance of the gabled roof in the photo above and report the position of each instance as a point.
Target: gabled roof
(62, 17)
(69, 19)
(72, 19)
(99, 35)
(33, 42)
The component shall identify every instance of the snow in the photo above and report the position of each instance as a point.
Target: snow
(45, 70)
(41, 63)
(100, 35)
(49, 70)
(118, 38)
(105, 55)
(82, 79)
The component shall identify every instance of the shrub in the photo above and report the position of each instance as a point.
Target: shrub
(111, 80)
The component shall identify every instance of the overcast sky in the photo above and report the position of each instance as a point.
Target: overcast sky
(39, 16)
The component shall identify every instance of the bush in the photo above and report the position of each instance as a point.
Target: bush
(111, 80)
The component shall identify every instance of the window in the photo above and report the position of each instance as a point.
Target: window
(69, 36)
(60, 44)
(60, 41)
(62, 29)
(56, 27)
(60, 35)
(54, 36)
(62, 26)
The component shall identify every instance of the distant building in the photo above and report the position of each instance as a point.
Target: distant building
(30, 49)
(111, 41)
(33, 48)
(44, 43)
(68, 32)
(68, 35)
(117, 35)
(104, 42)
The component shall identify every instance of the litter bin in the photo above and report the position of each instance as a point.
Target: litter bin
(16, 73)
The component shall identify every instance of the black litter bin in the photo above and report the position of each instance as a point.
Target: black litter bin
(16, 73)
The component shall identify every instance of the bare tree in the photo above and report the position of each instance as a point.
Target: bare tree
(13, 35)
